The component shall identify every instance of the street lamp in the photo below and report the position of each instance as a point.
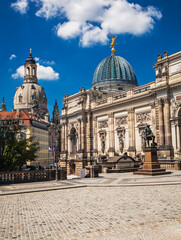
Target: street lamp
(56, 153)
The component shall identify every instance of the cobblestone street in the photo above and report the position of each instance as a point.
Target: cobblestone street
(139, 212)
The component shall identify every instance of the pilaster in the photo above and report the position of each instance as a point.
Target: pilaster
(131, 127)
(167, 122)
(111, 134)
(161, 123)
(95, 136)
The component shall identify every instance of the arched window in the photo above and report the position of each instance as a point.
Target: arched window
(33, 72)
(20, 98)
(27, 71)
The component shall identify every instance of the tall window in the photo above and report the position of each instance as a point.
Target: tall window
(20, 98)
(28, 71)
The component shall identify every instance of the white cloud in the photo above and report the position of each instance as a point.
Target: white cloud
(43, 73)
(93, 21)
(12, 56)
(36, 59)
(20, 6)
(46, 62)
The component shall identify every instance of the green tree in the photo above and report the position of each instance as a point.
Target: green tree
(14, 152)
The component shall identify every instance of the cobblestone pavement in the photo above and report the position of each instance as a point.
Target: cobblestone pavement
(125, 213)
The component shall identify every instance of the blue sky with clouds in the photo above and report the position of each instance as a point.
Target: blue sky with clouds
(69, 38)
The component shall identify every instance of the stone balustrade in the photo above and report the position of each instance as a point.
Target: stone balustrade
(31, 176)
(170, 164)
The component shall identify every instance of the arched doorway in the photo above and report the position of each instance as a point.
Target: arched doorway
(72, 167)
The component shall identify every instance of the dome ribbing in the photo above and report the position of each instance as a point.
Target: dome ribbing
(114, 70)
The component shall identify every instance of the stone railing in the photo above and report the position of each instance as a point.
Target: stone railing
(32, 176)
(141, 89)
(170, 164)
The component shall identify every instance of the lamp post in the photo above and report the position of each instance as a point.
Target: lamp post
(56, 151)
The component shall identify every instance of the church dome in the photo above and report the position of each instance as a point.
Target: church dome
(114, 70)
(30, 95)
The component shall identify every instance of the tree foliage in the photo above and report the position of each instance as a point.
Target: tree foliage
(14, 151)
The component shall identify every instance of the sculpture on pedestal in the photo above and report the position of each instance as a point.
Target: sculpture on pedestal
(150, 136)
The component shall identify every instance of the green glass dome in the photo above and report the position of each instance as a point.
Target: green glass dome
(114, 70)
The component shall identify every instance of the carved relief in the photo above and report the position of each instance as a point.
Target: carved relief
(143, 117)
(121, 120)
(103, 124)
(162, 71)
(102, 135)
(175, 105)
(121, 137)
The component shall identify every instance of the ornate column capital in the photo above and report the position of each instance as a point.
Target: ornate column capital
(160, 101)
(166, 100)
(110, 115)
(131, 110)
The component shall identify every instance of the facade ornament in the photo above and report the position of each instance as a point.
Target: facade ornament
(103, 124)
(165, 70)
(121, 120)
(102, 135)
(143, 117)
(158, 72)
(121, 137)
(175, 105)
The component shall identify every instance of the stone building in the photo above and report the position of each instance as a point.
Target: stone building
(109, 118)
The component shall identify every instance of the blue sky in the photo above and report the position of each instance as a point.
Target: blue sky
(71, 37)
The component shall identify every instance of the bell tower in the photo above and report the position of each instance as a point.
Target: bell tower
(3, 105)
(30, 70)
(56, 114)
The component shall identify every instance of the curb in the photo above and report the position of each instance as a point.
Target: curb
(41, 190)
(89, 185)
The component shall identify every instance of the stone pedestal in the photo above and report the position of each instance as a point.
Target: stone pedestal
(151, 165)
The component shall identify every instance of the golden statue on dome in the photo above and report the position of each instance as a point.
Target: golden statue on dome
(113, 43)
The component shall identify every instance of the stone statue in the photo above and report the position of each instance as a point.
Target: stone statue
(113, 43)
(150, 136)
(103, 144)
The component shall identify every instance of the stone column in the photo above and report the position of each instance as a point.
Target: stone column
(161, 125)
(79, 134)
(131, 129)
(88, 135)
(153, 119)
(63, 137)
(95, 147)
(178, 137)
(83, 129)
(66, 136)
(111, 134)
(168, 141)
